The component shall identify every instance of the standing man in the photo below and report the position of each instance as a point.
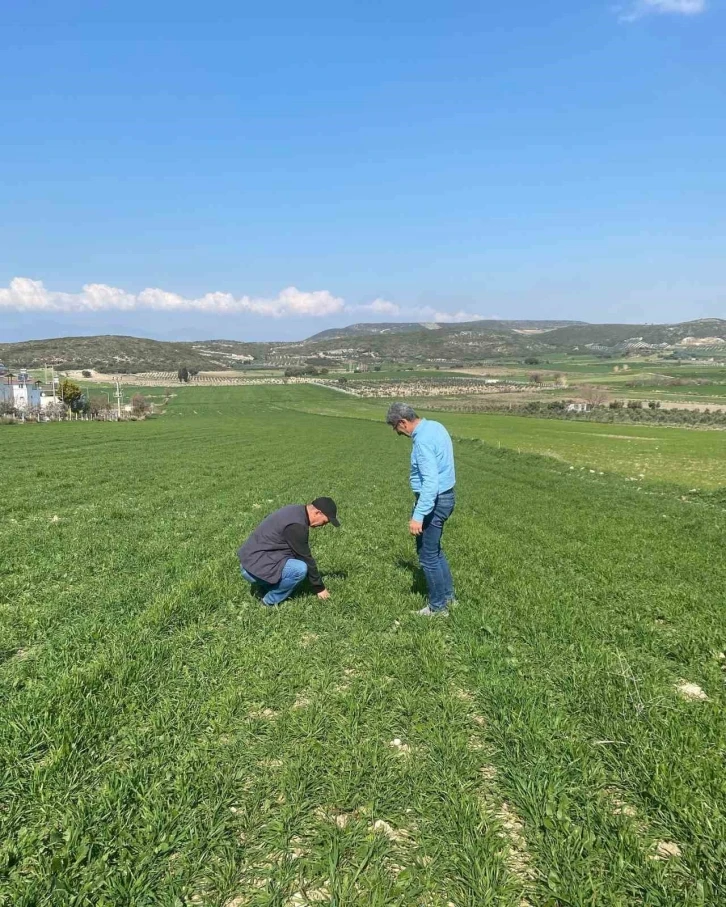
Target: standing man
(432, 480)
(277, 555)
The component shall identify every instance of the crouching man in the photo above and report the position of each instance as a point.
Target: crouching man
(277, 555)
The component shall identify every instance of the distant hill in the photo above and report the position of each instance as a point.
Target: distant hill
(612, 335)
(484, 325)
(115, 355)
(403, 327)
(408, 342)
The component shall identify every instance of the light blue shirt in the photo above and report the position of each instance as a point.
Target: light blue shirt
(432, 465)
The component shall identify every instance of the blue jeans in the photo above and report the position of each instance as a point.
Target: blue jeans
(293, 573)
(432, 559)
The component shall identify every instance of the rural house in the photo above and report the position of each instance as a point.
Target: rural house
(23, 394)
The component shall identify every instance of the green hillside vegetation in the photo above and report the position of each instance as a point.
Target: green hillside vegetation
(114, 355)
(487, 325)
(467, 344)
(614, 334)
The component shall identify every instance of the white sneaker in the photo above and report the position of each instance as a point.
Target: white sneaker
(427, 612)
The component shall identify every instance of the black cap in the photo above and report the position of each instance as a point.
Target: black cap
(327, 506)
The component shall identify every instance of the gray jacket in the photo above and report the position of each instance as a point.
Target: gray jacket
(282, 535)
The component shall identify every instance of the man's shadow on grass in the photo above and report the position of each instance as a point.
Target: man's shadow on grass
(418, 581)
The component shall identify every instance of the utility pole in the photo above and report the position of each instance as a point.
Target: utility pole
(118, 399)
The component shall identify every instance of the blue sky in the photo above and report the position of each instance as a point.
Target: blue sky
(186, 170)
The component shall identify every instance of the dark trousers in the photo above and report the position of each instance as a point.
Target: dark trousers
(432, 559)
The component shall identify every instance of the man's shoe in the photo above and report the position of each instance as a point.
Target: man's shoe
(428, 612)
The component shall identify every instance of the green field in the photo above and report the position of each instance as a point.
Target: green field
(643, 452)
(652, 378)
(167, 741)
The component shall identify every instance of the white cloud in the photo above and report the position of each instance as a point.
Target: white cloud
(377, 307)
(642, 8)
(26, 295)
(456, 317)
(383, 307)
(420, 313)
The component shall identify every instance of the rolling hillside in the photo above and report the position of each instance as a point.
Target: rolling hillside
(113, 354)
(484, 326)
(610, 335)
(407, 342)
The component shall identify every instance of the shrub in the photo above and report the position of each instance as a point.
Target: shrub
(98, 406)
(140, 405)
(56, 410)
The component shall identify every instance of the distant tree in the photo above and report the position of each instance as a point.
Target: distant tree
(79, 405)
(342, 381)
(7, 407)
(595, 396)
(535, 378)
(70, 393)
(193, 372)
(98, 406)
(635, 404)
(376, 368)
(86, 373)
(616, 404)
(183, 374)
(654, 404)
(531, 360)
(140, 405)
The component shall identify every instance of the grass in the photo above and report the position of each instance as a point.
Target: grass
(644, 452)
(166, 741)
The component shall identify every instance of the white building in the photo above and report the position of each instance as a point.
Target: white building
(23, 395)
